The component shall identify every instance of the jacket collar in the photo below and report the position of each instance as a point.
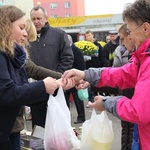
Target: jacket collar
(45, 28)
(143, 50)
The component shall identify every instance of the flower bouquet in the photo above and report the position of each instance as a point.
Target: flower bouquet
(102, 43)
(87, 48)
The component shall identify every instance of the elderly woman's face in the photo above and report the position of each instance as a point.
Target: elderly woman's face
(136, 33)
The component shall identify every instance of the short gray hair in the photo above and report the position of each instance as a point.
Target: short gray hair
(41, 8)
(137, 12)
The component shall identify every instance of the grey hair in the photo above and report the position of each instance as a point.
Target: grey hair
(39, 7)
(137, 12)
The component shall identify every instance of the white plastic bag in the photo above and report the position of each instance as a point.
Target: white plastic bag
(59, 134)
(97, 133)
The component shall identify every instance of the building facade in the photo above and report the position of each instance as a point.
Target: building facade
(69, 15)
(62, 8)
(77, 26)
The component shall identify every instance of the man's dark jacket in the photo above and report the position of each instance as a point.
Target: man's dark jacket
(52, 50)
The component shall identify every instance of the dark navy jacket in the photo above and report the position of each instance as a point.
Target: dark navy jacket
(15, 92)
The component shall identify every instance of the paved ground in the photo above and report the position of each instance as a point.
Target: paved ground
(116, 124)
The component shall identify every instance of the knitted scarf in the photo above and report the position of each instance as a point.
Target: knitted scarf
(19, 56)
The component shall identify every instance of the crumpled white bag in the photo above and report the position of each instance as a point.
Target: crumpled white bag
(59, 134)
(97, 132)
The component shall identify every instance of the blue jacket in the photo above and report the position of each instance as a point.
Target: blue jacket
(15, 91)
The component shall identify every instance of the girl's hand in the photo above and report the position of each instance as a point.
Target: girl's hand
(50, 85)
(66, 83)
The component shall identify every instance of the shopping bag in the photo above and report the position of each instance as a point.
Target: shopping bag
(59, 134)
(97, 133)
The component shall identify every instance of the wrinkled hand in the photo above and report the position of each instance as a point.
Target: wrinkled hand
(97, 103)
(50, 85)
(82, 85)
(66, 83)
(74, 74)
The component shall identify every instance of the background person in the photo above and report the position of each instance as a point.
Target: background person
(107, 38)
(122, 55)
(78, 64)
(96, 61)
(109, 48)
(51, 50)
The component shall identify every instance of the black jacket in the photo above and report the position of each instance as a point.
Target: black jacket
(108, 52)
(15, 91)
(52, 50)
(78, 58)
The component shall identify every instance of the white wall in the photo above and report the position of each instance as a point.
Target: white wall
(25, 5)
(8, 2)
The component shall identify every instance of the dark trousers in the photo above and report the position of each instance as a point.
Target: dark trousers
(127, 135)
(15, 141)
(78, 103)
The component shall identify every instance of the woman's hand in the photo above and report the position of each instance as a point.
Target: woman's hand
(74, 74)
(82, 85)
(98, 103)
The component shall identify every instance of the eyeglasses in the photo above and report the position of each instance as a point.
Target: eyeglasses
(129, 31)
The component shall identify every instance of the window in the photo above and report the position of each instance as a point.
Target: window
(67, 4)
(67, 15)
(53, 5)
(54, 16)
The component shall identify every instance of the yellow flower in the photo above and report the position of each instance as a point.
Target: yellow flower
(102, 43)
(87, 48)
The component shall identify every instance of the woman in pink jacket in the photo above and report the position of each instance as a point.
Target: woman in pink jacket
(135, 74)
